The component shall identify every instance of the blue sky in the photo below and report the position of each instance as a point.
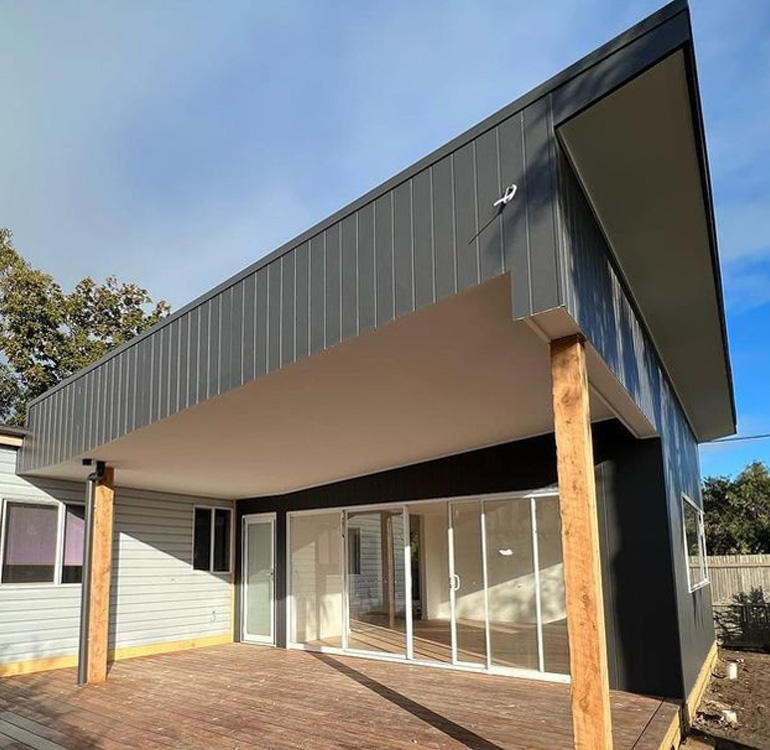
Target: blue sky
(173, 143)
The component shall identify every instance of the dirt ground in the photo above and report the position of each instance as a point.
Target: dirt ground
(748, 696)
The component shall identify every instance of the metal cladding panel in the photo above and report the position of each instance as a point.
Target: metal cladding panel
(288, 324)
(349, 276)
(597, 299)
(333, 249)
(366, 296)
(248, 329)
(274, 317)
(302, 301)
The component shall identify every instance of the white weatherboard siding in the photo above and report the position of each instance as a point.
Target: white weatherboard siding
(156, 596)
(37, 621)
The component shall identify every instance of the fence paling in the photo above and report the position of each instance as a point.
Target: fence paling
(739, 577)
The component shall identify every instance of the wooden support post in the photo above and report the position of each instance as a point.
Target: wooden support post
(590, 690)
(101, 567)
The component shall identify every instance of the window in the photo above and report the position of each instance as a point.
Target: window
(354, 550)
(211, 539)
(695, 544)
(72, 552)
(41, 542)
(29, 546)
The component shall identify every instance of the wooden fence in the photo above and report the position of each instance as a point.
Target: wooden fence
(739, 579)
(740, 592)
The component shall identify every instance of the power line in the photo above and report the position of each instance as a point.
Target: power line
(763, 436)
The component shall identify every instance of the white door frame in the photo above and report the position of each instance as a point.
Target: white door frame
(247, 520)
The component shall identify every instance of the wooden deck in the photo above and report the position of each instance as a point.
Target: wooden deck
(239, 696)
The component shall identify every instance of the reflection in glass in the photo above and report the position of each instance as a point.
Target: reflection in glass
(316, 579)
(376, 594)
(511, 583)
(470, 625)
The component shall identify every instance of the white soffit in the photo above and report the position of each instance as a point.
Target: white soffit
(636, 157)
(452, 377)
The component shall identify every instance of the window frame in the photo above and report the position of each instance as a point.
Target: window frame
(687, 500)
(61, 511)
(210, 569)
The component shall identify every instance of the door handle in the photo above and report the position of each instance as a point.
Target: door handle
(454, 582)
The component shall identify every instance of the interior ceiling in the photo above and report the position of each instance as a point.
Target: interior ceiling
(452, 377)
(636, 156)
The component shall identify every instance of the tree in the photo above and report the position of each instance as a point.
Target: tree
(737, 512)
(46, 335)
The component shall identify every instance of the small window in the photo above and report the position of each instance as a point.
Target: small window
(354, 550)
(695, 544)
(211, 540)
(29, 546)
(72, 551)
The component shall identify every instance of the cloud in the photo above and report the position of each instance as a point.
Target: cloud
(744, 229)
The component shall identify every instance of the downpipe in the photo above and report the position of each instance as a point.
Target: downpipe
(85, 585)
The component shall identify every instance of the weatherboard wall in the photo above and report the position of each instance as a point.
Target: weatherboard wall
(155, 597)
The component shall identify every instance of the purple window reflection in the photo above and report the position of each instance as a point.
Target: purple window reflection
(30, 543)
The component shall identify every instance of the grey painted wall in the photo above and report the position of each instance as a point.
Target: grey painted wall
(156, 596)
(598, 301)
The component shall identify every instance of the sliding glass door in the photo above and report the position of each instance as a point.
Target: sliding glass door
(477, 583)
(376, 580)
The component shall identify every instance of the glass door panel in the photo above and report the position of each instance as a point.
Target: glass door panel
(511, 584)
(468, 594)
(552, 602)
(376, 611)
(258, 580)
(316, 579)
(431, 609)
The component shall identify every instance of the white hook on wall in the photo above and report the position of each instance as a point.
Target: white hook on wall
(510, 191)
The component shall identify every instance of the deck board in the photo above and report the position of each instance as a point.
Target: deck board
(239, 696)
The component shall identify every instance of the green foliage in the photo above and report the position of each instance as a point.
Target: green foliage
(46, 335)
(737, 512)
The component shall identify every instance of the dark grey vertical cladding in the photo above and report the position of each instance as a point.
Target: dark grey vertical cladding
(193, 358)
(333, 285)
(184, 362)
(204, 347)
(444, 228)
(317, 294)
(403, 260)
(142, 413)
(174, 340)
(235, 332)
(636, 562)
(288, 282)
(540, 156)
(422, 231)
(164, 372)
(366, 286)
(274, 316)
(514, 216)
(383, 253)
(129, 390)
(215, 344)
(599, 302)
(349, 276)
(249, 327)
(466, 226)
(488, 190)
(260, 335)
(225, 341)
(302, 300)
